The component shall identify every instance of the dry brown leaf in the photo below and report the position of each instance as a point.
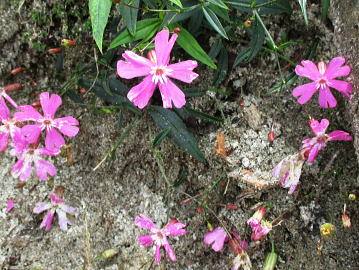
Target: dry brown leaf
(220, 148)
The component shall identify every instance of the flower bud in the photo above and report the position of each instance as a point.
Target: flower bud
(36, 104)
(247, 23)
(185, 201)
(82, 91)
(352, 197)
(199, 209)
(260, 213)
(54, 51)
(68, 43)
(270, 261)
(152, 56)
(109, 253)
(16, 70)
(12, 87)
(346, 221)
(327, 230)
(231, 206)
(271, 136)
(177, 30)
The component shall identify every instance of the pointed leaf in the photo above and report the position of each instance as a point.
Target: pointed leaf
(129, 15)
(218, 3)
(177, 2)
(264, 6)
(214, 21)
(191, 46)
(99, 12)
(160, 136)
(178, 132)
(303, 7)
(221, 72)
(144, 29)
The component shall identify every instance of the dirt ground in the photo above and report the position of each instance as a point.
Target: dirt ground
(109, 198)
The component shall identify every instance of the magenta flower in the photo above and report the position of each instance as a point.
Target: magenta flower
(215, 238)
(10, 205)
(50, 104)
(3, 95)
(56, 206)
(8, 127)
(159, 236)
(314, 145)
(241, 261)
(255, 220)
(262, 230)
(289, 170)
(28, 156)
(323, 78)
(157, 72)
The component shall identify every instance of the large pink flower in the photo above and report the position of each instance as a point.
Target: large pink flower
(49, 103)
(317, 143)
(159, 236)
(157, 72)
(323, 78)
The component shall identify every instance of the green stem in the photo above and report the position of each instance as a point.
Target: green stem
(265, 28)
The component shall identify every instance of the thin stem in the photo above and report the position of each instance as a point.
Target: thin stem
(265, 4)
(265, 28)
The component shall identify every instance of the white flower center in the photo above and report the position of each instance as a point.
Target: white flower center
(322, 83)
(160, 73)
(47, 123)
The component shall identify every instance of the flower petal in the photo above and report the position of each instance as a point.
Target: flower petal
(145, 223)
(339, 135)
(215, 238)
(145, 240)
(47, 221)
(313, 153)
(174, 229)
(30, 133)
(326, 98)
(318, 128)
(27, 113)
(67, 125)
(136, 66)
(63, 220)
(44, 168)
(183, 71)
(141, 93)
(170, 252)
(54, 139)
(308, 70)
(171, 93)
(68, 209)
(157, 254)
(305, 91)
(335, 68)
(163, 46)
(41, 207)
(4, 110)
(344, 87)
(3, 141)
(50, 103)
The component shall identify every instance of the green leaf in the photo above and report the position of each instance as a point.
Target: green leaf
(257, 39)
(191, 46)
(218, 3)
(178, 132)
(144, 29)
(303, 7)
(129, 15)
(324, 8)
(284, 45)
(221, 12)
(194, 92)
(160, 136)
(214, 21)
(182, 176)
(99, 12)
(221, 72)
(215, 48)
(177, 2)
(203, 115)
(264, 6)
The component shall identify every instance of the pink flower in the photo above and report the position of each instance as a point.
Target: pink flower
(10, 205)
(8, 127)
(28, 156)
(3, 95)
(323, 78)
(215, 238)
(56, 206)
(159, 236)
(157, 72)
(289, 170)
(314, 145)
(242, 258)
(255, 220)
(261, 231)
(50, 104)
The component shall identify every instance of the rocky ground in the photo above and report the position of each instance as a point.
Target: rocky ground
(109, 198)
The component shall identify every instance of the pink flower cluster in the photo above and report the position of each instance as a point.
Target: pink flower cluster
(290, 168)
(25, 128)
(260, 227)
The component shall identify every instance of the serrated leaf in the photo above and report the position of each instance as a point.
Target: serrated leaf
(178, 132)
(214, 21)
(99, 12)
(218, 3)
(144, 29)
(303, 7)
(129, 15)
(277, 7)
(160, 136)
(177, 2)
(191, 46)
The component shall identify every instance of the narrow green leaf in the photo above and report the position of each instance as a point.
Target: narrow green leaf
(214, 21)
(59, 66)
(177, 2)
(129, 14)
(324, 8)
(144, 29)
(182, 176)
(160, 136)
(191, 46)
(263, 6)
(220, 12)
(221, 72)
(178, 132)
(203, 115)
(285, 45)
(194, 92)
(242, 56)
(99, 12)
(215, 48)
(218, 3)
(303, 7)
